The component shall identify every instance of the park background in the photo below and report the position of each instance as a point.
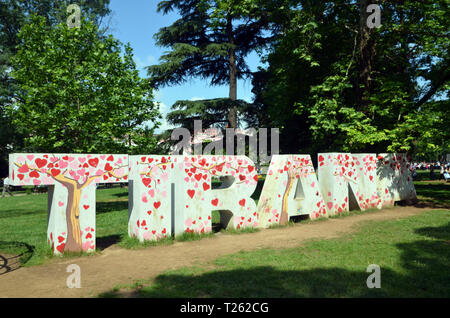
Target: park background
(313, 69)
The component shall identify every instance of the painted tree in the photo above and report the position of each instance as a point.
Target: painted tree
(85, 95)
(290, 189)
(210, 41)
(74, 172)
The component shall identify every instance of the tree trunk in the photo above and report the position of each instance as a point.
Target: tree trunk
(365, 59)
(284, 218)
(232, 115)
(73, 241)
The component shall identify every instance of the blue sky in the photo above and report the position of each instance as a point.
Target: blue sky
(136, 21)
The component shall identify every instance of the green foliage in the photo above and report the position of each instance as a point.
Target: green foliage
(79, 93)
(14, 14)
(358, 89)
(210, 41)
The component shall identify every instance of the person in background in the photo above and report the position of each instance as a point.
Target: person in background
(6, 187)
(441, 172)
(447, 174)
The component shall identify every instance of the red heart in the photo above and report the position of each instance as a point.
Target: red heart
(157, 204)
(321, 158)
(60, 248)
(40, 162)
(144, 223)
(146, 181)
(191, 193)
(110, 158)
(250, 168)
(241, 177)
(149, 212)
(89, 235)
(108, 167)
(93, 162)
(55, 172)
(198, 176)
(86, 207)
(205, 186)
(164, 231)
(153, 232)
(242, 202)
(215, 202)
(20, 176)
(60, 239)
(34, 174)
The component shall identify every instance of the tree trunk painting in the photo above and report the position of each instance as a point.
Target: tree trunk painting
(284, 218)
(74, 177)
(277, 202)
(73, 242)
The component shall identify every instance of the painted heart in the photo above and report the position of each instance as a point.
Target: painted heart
(60, 248)
(191, 193)
(205, 186)
(241, 177)
(20, 176)
(54, 172)
(250, 168)
(88, 236)
(60, 203)
(146, 181)
(215, 202)
(93, 162)
(86, 207)
(198, 176)
(60, 239)
(40, 162)
(108, 167)
(242, 202)
(34, 174)
(110, 158)
(157, 204)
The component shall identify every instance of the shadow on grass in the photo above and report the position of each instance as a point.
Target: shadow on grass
(106, 241)
(433, 195)
(13, 255)
(424, 273)
(106, 207)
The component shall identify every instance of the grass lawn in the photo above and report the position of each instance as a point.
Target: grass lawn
(413, 255)
(23, 220)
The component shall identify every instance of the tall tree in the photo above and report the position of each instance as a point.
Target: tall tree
(354, 88)
(84, 95)
(210, 41)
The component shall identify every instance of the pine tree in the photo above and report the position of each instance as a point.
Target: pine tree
(211, 40)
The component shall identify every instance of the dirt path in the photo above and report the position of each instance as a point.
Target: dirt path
(117, 266)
